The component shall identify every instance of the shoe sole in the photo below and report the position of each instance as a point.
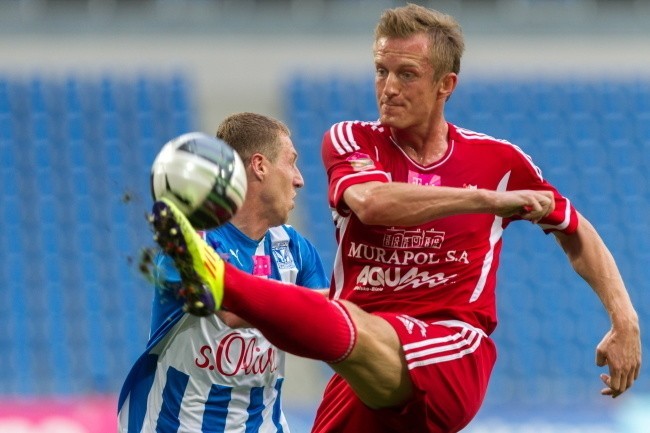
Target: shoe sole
(197, 264)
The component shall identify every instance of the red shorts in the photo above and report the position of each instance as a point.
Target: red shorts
(450, 364)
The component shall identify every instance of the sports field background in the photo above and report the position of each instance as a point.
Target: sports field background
(563, 79)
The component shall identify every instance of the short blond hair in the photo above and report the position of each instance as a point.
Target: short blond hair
(250, 133)
(445, 34)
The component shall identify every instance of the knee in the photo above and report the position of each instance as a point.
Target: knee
(376, 368)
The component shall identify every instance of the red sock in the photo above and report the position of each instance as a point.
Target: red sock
(295, 319)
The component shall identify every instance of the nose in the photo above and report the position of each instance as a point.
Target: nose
(391, 85)
(298, 180)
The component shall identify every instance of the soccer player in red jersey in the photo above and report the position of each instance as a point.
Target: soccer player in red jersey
(420, 207)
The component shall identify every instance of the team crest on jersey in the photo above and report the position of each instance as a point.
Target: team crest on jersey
(282, 255)
(360, 161)
(416, 178)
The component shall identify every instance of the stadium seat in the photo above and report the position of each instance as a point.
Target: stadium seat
(643, 127)
(5, 105)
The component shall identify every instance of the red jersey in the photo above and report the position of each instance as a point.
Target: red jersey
(444, 269)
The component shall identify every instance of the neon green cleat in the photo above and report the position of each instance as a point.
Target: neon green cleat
(200, 266)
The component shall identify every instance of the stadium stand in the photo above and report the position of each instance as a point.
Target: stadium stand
(74, 161)
(75, 155)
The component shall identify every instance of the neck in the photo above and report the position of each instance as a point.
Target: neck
(252, 224)
(423, 147)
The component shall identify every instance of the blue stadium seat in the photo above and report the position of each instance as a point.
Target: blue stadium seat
(11, 216)
(640, 98)
(545, 97)
(581, 98)
(111, 127)
(180, 90)
(517, 127)
(617, 126)
(549, 126)
(72, 95)
(584, 127)
(643, 127)
(484, 122)
(6, 129)
(5, 105)
(633, 192)
(591, 154)
(625, 154)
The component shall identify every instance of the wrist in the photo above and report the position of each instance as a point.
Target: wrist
(488, 200)
(628, 321)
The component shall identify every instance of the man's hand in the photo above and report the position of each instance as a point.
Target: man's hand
(621, 352)
(528, 204)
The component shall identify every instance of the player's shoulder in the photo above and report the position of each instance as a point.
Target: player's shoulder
(496, 147)
(295, 237)
(346, 129)
(286, 230)
(473, 137)
(351, 136)
(223, 237)
(214, 234)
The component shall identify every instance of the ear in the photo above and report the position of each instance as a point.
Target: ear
(448, 85)
(258, 166)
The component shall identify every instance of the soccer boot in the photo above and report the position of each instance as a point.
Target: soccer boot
(200, 266)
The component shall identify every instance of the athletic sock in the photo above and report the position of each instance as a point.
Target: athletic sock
(295, 319)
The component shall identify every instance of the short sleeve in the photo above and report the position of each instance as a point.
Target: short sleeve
(350, 157)
(526, 175)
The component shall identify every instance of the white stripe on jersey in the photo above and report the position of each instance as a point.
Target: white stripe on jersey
(123, 416)
(496, 231)
(335, 142)
(351, 326)
(192, 420)
(350, 136)
(360, 174)
(565, 222)
(155, 400)
(442, 349)
(342, 138)
(471, 135)
(338, 274)
(527, 157)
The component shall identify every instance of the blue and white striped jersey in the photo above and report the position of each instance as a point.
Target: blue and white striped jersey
(199, 375)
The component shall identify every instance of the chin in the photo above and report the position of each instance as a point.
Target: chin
(283, 219)
(389, 120)
(397, 122)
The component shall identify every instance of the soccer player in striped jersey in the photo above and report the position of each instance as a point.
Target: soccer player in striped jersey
(420, 206)
(198, 374)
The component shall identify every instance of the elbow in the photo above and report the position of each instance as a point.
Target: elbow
(369, 211)
(370, 203)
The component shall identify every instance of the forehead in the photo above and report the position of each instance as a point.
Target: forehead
(413, 49)
(286, 150)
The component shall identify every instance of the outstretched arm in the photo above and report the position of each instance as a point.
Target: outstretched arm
(397, 203)
(620, 349)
